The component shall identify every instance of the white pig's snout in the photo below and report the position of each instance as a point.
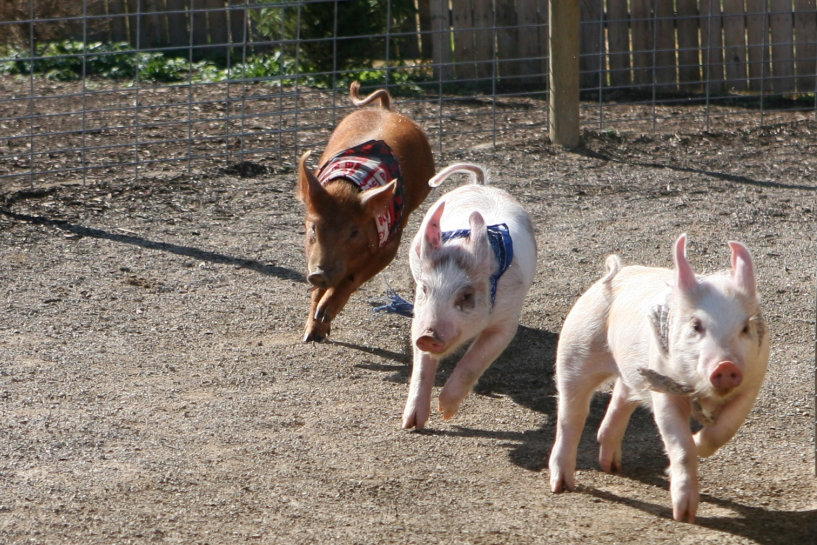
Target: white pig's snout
(726, 376)
(430, 342)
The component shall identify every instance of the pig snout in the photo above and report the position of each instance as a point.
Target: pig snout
(431, 343)
(317, 277)
(726, 376)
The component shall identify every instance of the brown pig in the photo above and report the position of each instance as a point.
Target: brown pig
(373, 173)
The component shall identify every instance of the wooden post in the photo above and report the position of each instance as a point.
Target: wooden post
(563, 73)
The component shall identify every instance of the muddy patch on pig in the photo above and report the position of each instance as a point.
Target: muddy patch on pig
(153, 385)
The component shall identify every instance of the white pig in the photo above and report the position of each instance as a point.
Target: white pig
(685, 345)
(473, 261)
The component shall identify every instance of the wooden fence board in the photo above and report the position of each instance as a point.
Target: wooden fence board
(734, 36)
(590, 39)
(641, 22)
(665, 59)
(441, 40)
(483, 19)
(217, 28)
(506, 40)
(757, 21)
(689, 63)
(178, 35)
(805, 27)
(424, 17)
(463, 23)
(530, 46)
(198, 26)
(238, 22)
(118, 22)
(780, 23)
(712, 45)
(618, 43)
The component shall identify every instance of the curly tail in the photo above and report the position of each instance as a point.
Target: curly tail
(613, 265)
(380, 94)
(477, 174)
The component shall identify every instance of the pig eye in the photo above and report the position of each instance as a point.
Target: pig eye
(354, 232)
(697, 326)
(746, 329)
(465, 301)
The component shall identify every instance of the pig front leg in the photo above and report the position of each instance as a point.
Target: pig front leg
(483, 351)
(729, 420)
(418, 404)
(316, 330)
(672, 416)
(611, 431)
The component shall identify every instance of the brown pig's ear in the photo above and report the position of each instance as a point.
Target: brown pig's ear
(377, 200)
(308, 185)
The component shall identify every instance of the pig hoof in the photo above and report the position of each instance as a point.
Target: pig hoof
(323, 315)
(316, 331)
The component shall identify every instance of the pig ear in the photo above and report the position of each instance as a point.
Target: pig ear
(479, 235)
(432, 240)
(684, 276)
(377, 200)
(743, 270)
(308, 185)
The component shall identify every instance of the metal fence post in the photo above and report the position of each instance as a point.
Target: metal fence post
(563, 72)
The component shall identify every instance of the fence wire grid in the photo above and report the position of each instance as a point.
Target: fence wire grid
(123, 88)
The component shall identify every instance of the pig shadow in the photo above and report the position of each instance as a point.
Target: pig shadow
(765, 526)
(525, 373)
(188, 251)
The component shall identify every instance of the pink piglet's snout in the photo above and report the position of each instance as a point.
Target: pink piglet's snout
(430, 342)
(726, 376)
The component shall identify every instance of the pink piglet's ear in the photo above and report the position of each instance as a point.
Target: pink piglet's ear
(684, 275)
(743, 270)
(432, 238)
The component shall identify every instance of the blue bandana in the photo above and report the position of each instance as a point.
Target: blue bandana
(501, 243)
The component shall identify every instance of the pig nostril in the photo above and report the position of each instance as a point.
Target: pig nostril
(318, 279)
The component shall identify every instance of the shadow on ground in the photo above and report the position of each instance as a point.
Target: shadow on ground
(188, 251)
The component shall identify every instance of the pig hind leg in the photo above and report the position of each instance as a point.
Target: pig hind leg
(611, 431)
(576, 383)
(483, 351)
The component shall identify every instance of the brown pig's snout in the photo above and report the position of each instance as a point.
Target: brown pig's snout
(727, 375)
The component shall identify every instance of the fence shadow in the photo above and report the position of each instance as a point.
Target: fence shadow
(596, 154)
(188, 251)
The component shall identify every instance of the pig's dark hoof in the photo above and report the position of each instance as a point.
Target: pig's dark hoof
(316, 332)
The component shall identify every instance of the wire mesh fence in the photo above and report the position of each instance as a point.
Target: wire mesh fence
(102, 88)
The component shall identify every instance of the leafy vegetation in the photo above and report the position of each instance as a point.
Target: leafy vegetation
(66, 60)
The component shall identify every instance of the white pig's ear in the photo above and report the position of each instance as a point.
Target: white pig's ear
(743, 270)
(432, 240)
(377, 200)
(684, 275)
(479, 236)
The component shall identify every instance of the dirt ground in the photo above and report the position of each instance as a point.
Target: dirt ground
(153, 386)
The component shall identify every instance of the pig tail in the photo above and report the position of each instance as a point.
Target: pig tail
(477, 173)
(613, 265)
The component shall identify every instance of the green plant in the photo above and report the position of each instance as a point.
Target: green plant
(353, 23)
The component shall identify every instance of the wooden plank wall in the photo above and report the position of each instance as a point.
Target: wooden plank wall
(682, 46)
